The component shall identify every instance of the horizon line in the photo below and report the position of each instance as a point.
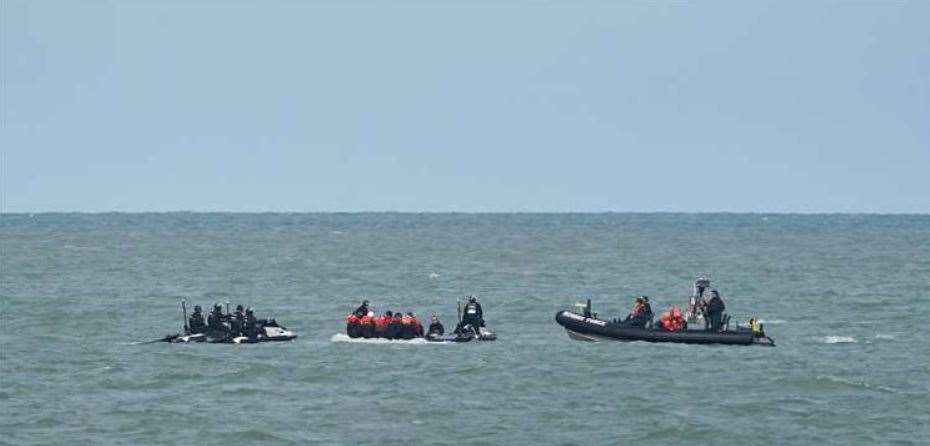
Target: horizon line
(138, 212)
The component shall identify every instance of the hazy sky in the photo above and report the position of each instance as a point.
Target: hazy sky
(791, 106)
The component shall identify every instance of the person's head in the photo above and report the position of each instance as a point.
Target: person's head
(389, 313)
(410, 313)
(248, 310)
(639, 299)
(238, 308)
(217, 308)
(646, 299)
(434, 318)
(713, 294)
(197, 309)
(365, 303)
(472, 299)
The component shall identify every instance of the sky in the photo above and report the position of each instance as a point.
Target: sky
(455, 106)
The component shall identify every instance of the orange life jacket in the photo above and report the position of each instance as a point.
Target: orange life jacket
(352, 319)
(406, 320)
(366, 320)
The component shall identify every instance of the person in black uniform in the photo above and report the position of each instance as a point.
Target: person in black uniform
(714, 311)
(236, 322)
(250, 325)
(195, 323)
(362, 310)
(472, 314)
(435, 327)
(216, 322)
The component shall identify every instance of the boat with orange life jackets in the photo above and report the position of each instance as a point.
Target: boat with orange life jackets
(397, 326)
(390, 325)
(672, 327)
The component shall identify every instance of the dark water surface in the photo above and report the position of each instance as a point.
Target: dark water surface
(845, 297)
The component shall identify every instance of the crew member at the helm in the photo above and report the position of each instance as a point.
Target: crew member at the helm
(473, 315)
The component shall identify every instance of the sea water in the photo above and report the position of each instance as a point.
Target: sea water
(846, 298)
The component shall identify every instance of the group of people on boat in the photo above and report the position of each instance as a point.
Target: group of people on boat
(364, 323)
(710, 305)
(220, 324)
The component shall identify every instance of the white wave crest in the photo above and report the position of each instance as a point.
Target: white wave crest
(884, 336)
(342, 337)
(772, 322)
(855, 383)
(433, 276)
(839, 340)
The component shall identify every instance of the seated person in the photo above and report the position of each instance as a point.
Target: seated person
(217, 321)
(435, 327)
(641, 313)
(195, 324)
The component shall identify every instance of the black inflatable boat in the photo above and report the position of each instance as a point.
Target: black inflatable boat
(584, 328)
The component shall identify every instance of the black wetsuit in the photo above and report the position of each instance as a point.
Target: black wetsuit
(436, 329)
(714, 312)
(196, 324)
(236, 322)
(362, 310)
(250, 326)
(216, 323)
(472, 315)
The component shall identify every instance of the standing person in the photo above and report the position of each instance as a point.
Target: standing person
(715, 309)
(195, 323)
(473, 315)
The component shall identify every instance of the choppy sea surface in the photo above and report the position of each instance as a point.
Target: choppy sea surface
(846, 298)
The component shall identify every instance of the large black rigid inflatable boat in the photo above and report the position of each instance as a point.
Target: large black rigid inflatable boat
(588, 328)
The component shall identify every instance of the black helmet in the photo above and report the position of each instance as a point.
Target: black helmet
(388, 313)
(197, 308)
(365, 303)
(472, 299)
(248, 310)
(217, 307)
(238, 307)
(645, 298)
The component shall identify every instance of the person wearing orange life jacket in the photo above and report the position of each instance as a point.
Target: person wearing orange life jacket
(352, 326)
(678, 319)
(407, 328)
(381, 323)
(395, 328)
(366, 325)
(641, 313)
(665, 321)
(417, 326)
(672, 319)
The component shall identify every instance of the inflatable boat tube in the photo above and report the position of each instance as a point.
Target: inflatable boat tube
(592, 329)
